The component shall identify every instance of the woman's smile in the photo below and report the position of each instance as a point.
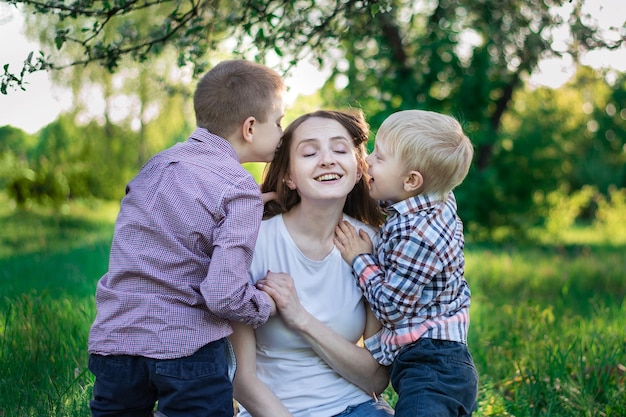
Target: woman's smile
(328, 177)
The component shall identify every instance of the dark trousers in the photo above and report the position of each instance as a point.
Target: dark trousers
(194, 386)
(434, 378)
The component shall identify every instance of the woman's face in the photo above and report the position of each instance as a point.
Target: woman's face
(323, 161)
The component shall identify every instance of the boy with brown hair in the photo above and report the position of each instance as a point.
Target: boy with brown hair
(415, 282)
(178, 268)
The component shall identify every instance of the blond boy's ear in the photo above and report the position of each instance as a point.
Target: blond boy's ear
(413, 181)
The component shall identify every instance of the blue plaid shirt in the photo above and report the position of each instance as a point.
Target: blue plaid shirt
(415, 281)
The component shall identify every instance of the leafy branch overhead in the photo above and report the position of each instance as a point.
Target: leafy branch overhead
(468, 58)
(96, 31)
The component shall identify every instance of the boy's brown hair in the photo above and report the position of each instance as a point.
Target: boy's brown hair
(231, 92)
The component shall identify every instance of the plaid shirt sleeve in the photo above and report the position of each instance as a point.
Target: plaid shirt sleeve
(394, 291)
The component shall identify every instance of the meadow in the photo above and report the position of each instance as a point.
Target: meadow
(547, 331)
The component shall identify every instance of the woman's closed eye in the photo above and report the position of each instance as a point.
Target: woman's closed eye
(341, 149)
(308, 150)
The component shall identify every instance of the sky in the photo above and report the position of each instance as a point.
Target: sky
(42, 102)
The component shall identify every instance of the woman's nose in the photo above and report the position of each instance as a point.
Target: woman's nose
(327, 159)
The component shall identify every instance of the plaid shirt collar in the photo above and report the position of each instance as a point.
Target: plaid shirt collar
(415, 204)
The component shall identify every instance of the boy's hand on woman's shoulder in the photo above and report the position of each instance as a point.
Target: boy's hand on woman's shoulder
(350, 242)
(269, 196)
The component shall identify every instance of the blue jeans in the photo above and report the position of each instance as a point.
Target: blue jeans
(369, 408)
(434, 378)
(194, 386)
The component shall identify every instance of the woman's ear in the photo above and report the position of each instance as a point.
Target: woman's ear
(413, 181)
(359, 174)
(289, 183)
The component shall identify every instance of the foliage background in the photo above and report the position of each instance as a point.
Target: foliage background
(471, 59)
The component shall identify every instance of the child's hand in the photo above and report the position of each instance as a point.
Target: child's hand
(269, 196)
(351, 244)
(272, 304)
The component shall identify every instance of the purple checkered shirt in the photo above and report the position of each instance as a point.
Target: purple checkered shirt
(415, 282)
(183, 243)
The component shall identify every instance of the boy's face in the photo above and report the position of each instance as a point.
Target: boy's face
(387, 174)
(267, 135)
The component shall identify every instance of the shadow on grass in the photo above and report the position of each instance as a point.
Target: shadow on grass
(63, 254)
(26, 233)
(69, 273)
(573, 279)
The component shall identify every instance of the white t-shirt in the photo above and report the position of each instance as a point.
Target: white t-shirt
(304, 383)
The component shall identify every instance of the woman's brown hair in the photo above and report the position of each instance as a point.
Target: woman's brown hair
(358, 204)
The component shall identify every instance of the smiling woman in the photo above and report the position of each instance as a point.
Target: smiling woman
(318, 175)
(358, 203)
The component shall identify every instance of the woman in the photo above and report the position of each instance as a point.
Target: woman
(306, 361)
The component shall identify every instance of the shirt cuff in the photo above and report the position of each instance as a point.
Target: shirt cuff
(265, 310)
(361, 263)
(373, 344)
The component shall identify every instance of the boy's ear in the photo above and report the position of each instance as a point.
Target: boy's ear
(413, 181)
(247, 129)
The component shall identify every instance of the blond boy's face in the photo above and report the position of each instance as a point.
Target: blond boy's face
(387, 174)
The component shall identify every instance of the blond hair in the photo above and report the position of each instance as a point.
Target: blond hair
(431, 143)
(232, 91)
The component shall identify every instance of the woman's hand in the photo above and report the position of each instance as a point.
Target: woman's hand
(353, 362)
(350, 243)
(281, 288)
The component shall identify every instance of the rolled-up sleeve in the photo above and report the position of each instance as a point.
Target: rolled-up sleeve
(226, 289)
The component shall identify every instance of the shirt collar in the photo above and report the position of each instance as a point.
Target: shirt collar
(203, 135)
(412, 205)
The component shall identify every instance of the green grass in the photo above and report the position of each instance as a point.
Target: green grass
(547, 331)
(49, 266)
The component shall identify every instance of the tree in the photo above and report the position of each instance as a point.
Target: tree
(290, 28)
(467, 58)
(16, 146)
(464, 57)
(16, 141)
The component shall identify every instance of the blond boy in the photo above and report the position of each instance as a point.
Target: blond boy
(415, 281)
